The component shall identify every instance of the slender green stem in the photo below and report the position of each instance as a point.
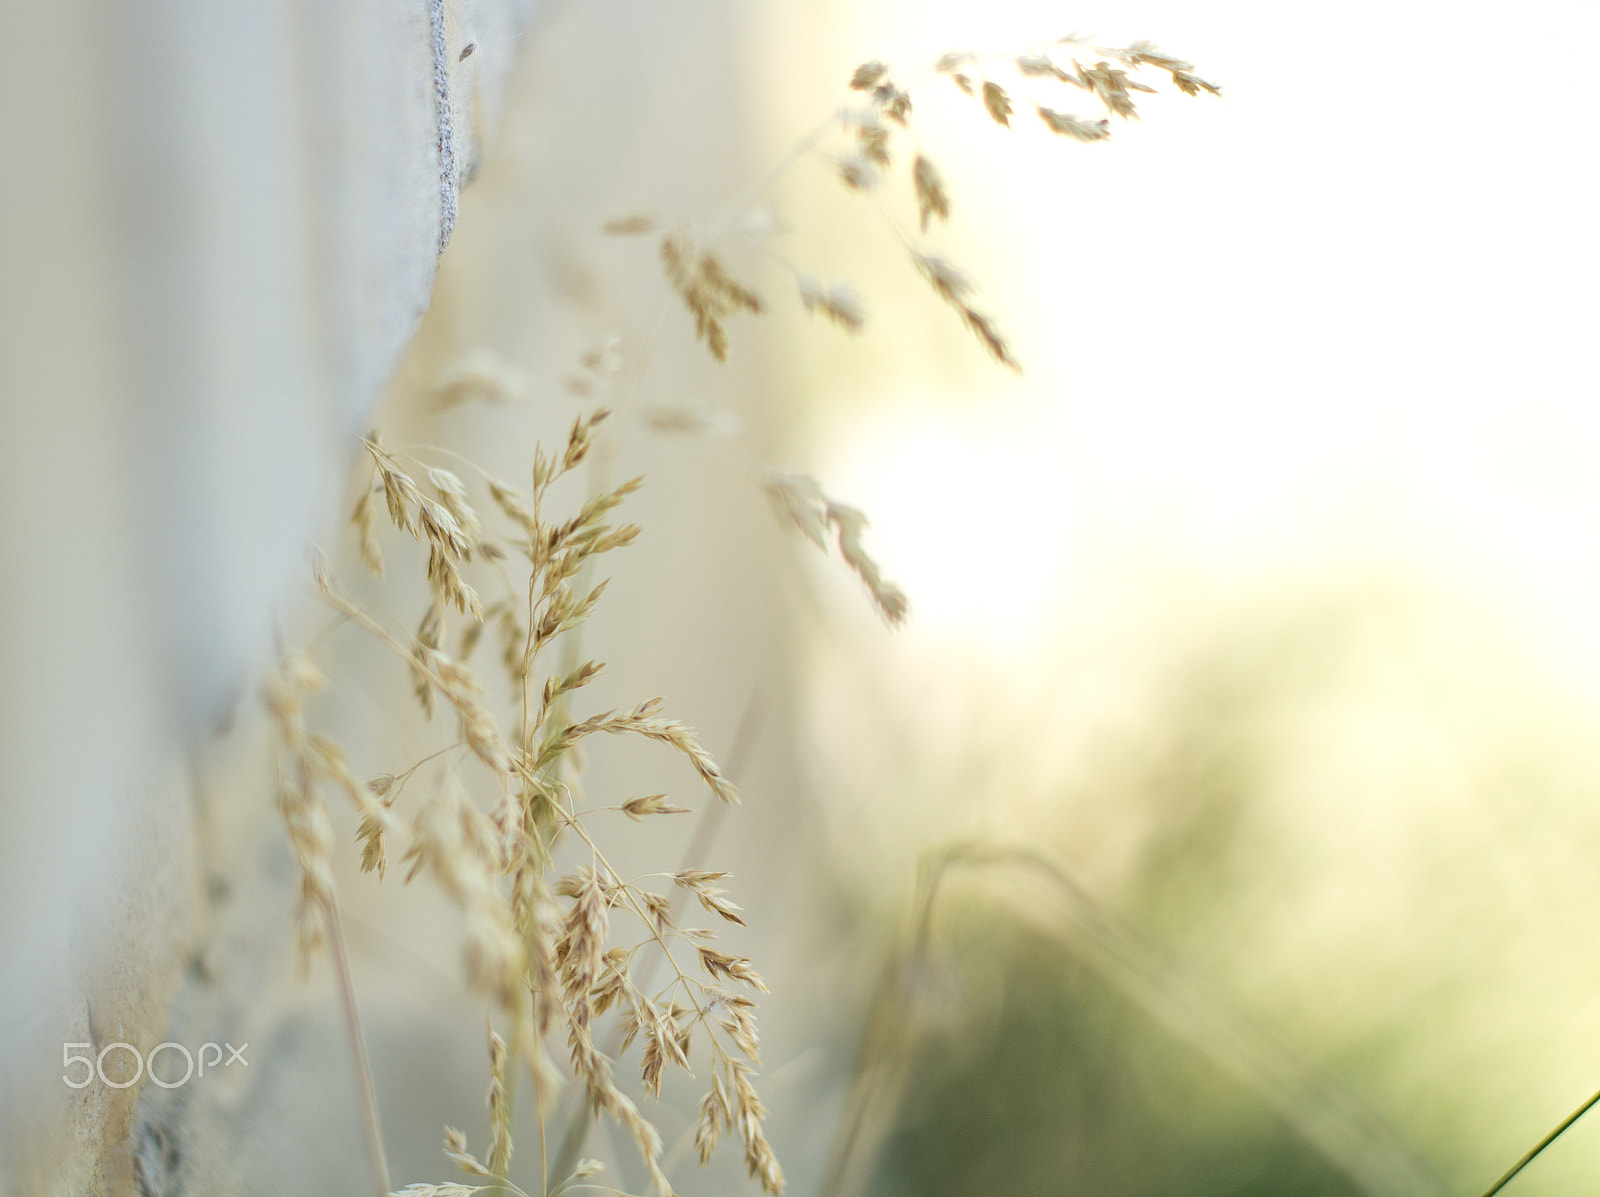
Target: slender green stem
(1540, 1146)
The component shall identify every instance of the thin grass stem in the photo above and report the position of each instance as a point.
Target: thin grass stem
(1541, 1145)
(372, 1125)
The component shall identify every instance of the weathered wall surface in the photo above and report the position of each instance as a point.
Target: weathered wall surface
(219, 222)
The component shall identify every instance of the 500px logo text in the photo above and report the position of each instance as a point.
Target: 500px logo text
(194, 1065)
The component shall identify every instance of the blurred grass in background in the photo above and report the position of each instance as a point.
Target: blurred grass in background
(1349, 819)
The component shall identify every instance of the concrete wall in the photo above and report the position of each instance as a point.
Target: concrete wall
(219, 223)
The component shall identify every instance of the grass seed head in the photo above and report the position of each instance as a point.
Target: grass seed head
(500, 1143)
(1071, 126)
(480, 377)
(364, 517)
(997, 103)
(1036, 66)
(455, 1146)
(706, 288)
(836, 301)
(933, 201)
(868, 75)
(629, 226)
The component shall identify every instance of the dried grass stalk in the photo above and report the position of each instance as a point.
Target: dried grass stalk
(544, 968)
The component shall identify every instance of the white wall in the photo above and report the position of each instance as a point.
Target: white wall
(219, 221)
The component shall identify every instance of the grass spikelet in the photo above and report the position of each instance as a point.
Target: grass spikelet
(1036, 66)
(651, 804)
(478, 727)
(983, 327)
(933, 201)
(307, 759)
(859, 173)
(851, 524)
(449, 585)
(800, 499)
(739, 1020)
(954, 287)
(759, 1159)
(311, 836)
(1071, 126)
(305, 813)
(492, 951)
(895, 104)
(641, 721)
(400, 492)
(455, 1146)
(872, 139)
(836, 301)
(701, 423)
(514, 505)
(710, 896)
(997, 103)
(603, 360)
(581, 439)
(453, 494)
(500, 1145)
(374, 851)
(430, 633)
(629, 226)
(1193, 85)
(707, 290)
(868, 75)
(714, 1115)
(480, 377)
(534, 912)
(1183, 78)
(364, 517)
(443, 531)
(1111, 86)
(581, 949)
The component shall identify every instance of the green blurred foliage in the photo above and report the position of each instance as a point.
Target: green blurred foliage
(1052, 1082)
